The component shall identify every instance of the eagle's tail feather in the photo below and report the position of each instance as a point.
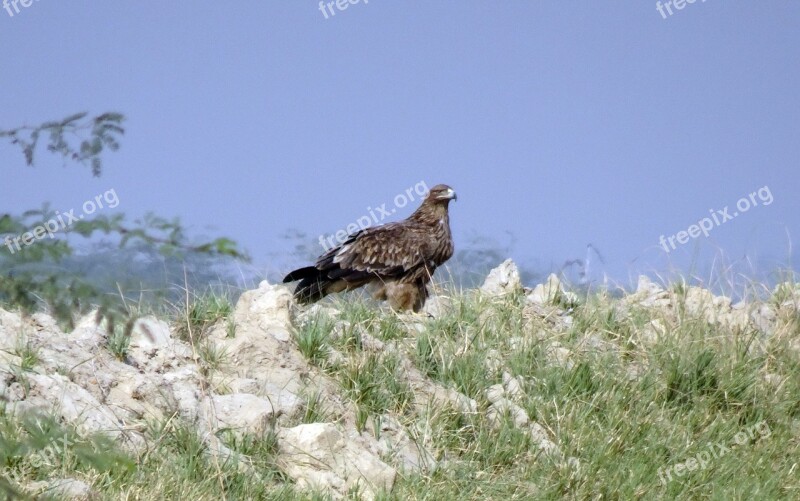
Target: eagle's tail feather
(311, 290)
(315, 284)
(300, 273)
(312, 284)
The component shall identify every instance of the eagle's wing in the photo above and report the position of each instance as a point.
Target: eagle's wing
(391, 250)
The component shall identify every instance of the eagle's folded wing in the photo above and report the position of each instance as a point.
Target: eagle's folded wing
(391, 250)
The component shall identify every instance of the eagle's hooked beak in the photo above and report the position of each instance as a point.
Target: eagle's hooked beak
(449, 195)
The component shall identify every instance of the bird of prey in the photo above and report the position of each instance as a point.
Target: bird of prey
(398, 259)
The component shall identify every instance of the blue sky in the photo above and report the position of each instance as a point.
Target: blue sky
(562, 123)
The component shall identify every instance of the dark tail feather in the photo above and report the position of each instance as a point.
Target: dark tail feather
(316, 284)
(312, 284)
(300, 273)
(311, 290)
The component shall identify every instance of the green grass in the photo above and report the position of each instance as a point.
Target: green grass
(314, 410)
(314, 338)
(194, 319)
(373, 383)
(212, 357)
(697, 385)
(39, 448)
(176, 464)
(632, 413)
(28, 354)
(118, 341)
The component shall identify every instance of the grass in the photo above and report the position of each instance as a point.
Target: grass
(695, 411)
(624, 415)
(201, 312)
(212, 357)
(314, 337)
(699, 384)
(373, 383)
(28, 355)
(314, 410)
(39, 448)
(176, 464)
(118, 341)
(180, 464)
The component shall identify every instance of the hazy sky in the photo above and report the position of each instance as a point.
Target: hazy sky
(562, 123)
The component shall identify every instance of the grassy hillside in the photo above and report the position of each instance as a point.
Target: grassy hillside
(666, 393)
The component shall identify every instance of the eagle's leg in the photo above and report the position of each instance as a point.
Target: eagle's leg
(378, 291)
(404, 297)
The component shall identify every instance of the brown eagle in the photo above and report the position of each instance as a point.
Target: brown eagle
(398, 258)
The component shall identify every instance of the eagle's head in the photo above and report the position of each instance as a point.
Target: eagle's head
(434, 208)
(441, 193)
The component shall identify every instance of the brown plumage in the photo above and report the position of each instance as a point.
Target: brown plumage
(399, 258)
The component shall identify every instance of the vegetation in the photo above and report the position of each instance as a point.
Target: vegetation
(201, 313)
(50, 273)
(624, 409)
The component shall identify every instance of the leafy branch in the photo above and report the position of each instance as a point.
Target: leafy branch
(68, 138)
(38, 275)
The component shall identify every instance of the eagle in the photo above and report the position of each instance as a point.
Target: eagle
(398, 259)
